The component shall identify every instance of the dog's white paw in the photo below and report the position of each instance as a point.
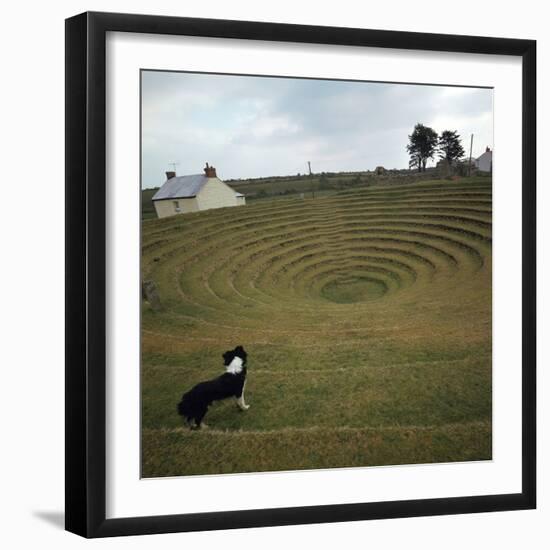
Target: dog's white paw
(246, 407)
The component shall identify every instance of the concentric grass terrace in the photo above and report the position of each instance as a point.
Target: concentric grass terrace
(366, 315)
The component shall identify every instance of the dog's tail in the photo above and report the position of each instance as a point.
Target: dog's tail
(184, 406)
(182, 409)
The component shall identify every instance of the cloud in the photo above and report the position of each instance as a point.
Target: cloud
(262, 126)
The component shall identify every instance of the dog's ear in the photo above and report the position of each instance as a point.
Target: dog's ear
(239, 351)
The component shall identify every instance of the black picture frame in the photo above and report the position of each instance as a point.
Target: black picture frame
(86, 274)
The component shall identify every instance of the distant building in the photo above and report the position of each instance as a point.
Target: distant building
(182, 194)
(379, 170)
(443, 167)
(484, 163)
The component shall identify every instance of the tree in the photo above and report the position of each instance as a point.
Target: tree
(422, 146)
(449, 147)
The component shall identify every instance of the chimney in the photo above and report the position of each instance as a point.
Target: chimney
(210, 171)
(170, 175)
(488, 149)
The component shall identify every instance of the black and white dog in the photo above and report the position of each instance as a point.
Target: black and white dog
(194, 404)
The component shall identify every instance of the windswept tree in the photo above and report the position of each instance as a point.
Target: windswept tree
(416, 160)
(422, 146)
(449, 147)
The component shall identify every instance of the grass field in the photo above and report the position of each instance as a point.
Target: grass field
(366, 315)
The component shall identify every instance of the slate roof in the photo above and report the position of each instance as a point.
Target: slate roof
(181, 187)
(487, 153)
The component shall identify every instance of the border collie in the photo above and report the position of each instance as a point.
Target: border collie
(194, 404)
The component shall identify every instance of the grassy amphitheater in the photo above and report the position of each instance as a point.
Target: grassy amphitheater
(366, 316)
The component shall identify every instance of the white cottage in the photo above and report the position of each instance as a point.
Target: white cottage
(484, 163)
(182, 194)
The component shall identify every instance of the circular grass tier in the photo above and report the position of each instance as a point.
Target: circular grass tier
(367, 319)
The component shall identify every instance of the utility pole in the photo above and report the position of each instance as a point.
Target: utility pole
(310, 174)
(470, 162)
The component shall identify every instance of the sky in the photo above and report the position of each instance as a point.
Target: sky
(249, 126)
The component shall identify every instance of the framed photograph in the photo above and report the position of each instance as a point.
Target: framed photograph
(300, 274)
